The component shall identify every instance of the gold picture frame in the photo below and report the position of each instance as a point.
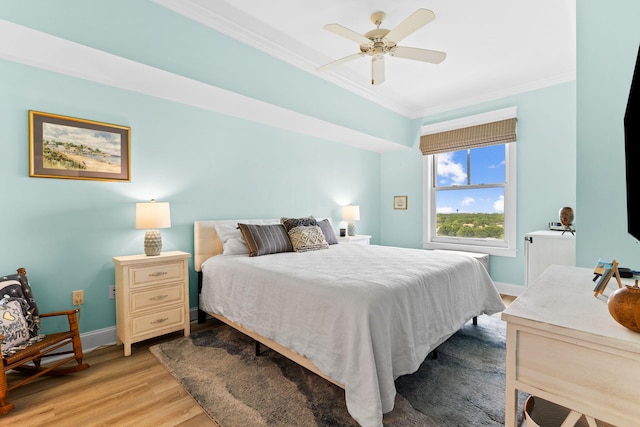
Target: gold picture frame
(400, 202)
(72, 148)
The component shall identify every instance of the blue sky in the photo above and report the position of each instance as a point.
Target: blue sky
(487, 167)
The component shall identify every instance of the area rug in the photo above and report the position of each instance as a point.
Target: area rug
(463, 386)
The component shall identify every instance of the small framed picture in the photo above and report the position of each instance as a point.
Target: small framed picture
(67, 147)
(399, 202)
(604, 271)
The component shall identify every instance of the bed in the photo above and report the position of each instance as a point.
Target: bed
(358, 315)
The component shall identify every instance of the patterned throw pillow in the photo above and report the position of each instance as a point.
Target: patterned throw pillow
(265, 239)
(307, 238)
(290, 223)
(13, 326)
(17, 287)
(327, 230)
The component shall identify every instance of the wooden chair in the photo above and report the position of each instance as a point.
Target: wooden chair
(29, 360)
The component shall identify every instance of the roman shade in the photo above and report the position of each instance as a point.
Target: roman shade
(482, 135)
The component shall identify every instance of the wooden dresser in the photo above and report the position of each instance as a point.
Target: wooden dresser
(564, 346)
(152, 296)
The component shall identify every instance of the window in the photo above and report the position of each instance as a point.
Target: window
(470, 184)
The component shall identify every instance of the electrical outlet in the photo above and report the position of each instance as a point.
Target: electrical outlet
(112, 292)
(77, 297)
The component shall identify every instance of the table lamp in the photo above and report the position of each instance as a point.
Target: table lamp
(351, 213)
(153, 215)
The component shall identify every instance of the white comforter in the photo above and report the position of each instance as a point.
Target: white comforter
(364, 315)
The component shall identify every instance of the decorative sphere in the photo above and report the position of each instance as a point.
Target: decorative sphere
(566, 216)
(624, 306)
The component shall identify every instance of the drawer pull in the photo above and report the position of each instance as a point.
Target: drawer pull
(160, 320)
(158, 274)
(158, 297)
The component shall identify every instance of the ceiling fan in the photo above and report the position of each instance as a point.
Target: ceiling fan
(377, 43)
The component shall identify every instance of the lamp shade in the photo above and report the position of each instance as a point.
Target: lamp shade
(351, 213)
(152, 215)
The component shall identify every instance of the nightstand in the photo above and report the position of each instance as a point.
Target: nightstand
(152, 296)
(359, 239)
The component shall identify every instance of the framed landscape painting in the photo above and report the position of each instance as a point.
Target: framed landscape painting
(72, 148)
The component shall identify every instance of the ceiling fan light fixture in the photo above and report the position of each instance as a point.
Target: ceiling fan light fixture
(380, 41)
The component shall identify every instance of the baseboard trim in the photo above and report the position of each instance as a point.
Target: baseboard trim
(93, 340)
(509, 289)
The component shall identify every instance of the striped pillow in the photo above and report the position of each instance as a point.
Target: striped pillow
(265, 239)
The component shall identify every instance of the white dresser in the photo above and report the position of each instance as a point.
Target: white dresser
(152, 296)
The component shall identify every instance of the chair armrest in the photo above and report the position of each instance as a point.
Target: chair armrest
(72, 317)
(61, 313)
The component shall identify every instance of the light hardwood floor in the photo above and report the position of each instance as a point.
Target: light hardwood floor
(116, 390)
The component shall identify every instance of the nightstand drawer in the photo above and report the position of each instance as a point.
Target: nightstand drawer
(156, 297)
(165, 319)
(169, 271)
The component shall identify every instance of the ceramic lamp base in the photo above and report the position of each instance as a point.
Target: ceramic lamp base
(351, 229)
(152, 243)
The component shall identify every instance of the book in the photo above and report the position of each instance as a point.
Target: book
(602, 266)
(604, 279)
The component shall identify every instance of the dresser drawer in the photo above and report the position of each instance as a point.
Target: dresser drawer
(168, 271)
(172, 317)
(157, 296)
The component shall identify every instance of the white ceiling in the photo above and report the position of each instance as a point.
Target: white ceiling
(495, 48)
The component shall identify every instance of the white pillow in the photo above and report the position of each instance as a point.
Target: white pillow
(231, 238)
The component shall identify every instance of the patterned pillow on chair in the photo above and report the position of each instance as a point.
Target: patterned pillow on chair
(17, 287)
(13, 326)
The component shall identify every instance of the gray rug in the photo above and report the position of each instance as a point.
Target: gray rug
(464, 386)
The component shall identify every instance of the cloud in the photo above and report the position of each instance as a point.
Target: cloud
(498, 205)
(467, 201)
(446, 167)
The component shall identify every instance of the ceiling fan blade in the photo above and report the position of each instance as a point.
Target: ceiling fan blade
(416, 20)
(340, 61)
(345, 32)
(377, 71)
(425, 55)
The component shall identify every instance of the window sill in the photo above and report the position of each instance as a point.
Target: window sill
(491, 250)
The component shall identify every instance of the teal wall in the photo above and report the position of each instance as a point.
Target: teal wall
(608, 40)
(546, 151)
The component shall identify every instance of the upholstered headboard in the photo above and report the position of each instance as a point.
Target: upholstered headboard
(205, 242)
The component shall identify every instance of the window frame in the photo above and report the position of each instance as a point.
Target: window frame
(508, 247)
